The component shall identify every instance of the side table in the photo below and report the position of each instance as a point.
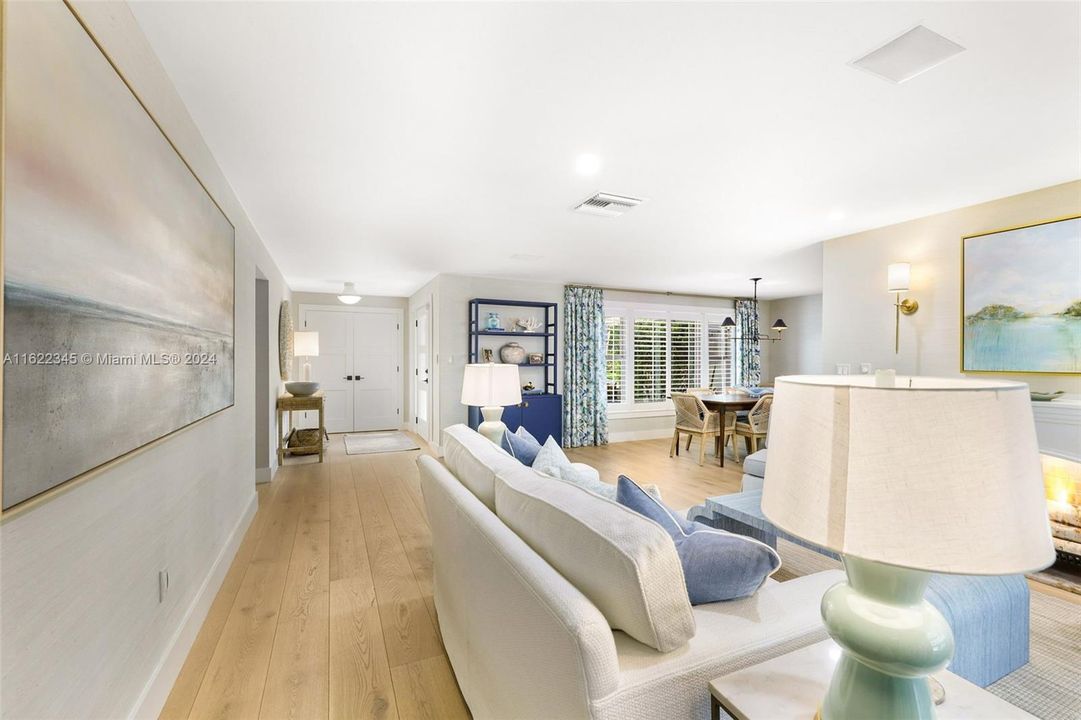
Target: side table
(792, 686)
(289, 403)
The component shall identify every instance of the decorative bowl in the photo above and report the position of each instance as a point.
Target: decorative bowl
(1046, 396)
(299, 388)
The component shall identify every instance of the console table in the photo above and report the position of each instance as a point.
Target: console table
(288, 404)
(792, 686)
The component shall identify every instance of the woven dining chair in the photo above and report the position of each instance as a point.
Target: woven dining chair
(696, 421)
(756, 426)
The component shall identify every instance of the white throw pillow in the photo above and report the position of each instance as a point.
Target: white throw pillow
(550, 456)
(475, 460)
(625, 564)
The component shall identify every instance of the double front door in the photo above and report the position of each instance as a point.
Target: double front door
(359, 367)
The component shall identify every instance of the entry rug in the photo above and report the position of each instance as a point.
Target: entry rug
(379, 442)
(1047, 687)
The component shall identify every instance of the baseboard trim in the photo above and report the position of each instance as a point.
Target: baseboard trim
(631, 435)
(263, 475)
(157, 688)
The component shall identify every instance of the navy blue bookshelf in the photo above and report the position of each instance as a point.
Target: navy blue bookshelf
(541, 413)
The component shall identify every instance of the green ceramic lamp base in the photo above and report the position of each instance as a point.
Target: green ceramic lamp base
(891, 640)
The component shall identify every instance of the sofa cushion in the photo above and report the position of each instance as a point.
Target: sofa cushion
(475, 460)
(523, 446)
(624, 563)
(755, 464)
(716, 565)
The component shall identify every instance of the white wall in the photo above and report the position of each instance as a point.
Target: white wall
(858, 314)
(799, 352)
(83, 632)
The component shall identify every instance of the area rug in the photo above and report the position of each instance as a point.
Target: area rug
(1047, 686)
(379, 442)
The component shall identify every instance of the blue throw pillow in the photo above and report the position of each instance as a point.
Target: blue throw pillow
(521, 445)
(716, 565)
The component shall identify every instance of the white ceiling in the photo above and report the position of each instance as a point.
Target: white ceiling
(384, 143)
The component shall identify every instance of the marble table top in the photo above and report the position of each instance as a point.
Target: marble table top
(791, 687)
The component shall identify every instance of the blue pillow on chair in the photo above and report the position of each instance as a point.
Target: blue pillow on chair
(521, 445)
(716, 565)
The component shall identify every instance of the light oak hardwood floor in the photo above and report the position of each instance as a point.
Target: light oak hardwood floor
(327, 611)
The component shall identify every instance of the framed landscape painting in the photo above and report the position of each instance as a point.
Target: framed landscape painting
(1021, 299)
(118, 265)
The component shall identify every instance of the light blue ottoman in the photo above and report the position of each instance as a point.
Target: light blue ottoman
(989, 615)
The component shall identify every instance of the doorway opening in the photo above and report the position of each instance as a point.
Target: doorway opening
(263, 408)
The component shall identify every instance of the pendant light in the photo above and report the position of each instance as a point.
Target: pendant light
(778, 325)
(349, 294)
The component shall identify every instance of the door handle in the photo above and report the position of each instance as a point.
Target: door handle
(359, 377)
(348, 377)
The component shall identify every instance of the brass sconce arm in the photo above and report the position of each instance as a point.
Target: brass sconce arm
(908, 306)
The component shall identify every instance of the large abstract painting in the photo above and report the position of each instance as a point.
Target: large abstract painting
(1022, 299)
(118, 265)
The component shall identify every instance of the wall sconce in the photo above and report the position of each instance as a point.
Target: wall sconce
(897, 277)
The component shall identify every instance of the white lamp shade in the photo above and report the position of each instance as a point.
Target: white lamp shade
(935, 474)
(306, 344)
(491, 385)
(897, 277)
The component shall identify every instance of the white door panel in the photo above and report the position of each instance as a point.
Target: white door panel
(358, 368)
(330, 369)
(376, 350)
(421, 372)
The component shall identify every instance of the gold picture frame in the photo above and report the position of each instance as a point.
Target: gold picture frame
(988, 350)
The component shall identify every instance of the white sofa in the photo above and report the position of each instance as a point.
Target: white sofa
(526, 643)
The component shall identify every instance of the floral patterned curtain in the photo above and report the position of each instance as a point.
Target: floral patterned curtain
(585, 404)
(748, 353)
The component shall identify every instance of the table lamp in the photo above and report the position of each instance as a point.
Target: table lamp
(918, 476)
(306, 345)
(491, 386)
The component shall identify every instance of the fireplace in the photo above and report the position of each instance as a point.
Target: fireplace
(1062, 482)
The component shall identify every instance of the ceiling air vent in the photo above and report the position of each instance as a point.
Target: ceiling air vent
(909, 55)
(607, 204)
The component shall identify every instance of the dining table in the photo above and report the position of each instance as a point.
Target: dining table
(727, 402)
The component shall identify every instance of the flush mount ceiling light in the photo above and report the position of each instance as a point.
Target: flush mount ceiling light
(909, 55)
(607, 204)
(349, 294)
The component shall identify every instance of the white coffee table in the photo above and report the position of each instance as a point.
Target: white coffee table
(791, 687)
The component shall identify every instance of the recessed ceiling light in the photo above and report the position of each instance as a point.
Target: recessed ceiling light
(588, 164)
(909, 55)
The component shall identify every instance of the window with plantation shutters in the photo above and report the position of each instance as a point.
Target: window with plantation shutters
(655, 350)
(721, 353)
(615, 359)
(650, 360)
(685, 338)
